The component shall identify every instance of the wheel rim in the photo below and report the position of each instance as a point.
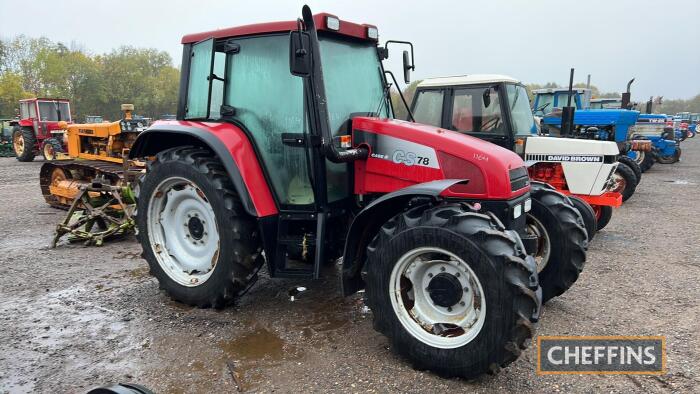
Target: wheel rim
(18, 143)
(544, 244)
(437, 297)
(598, 211)
(49, 153)
(182, 231)
(639, 157)
(620, 182)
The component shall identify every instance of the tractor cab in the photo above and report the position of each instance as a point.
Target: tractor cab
(551, 100)
(495, 108)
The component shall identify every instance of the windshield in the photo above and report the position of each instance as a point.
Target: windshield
(544, 103)
(521, 115)
(53, 111)
(353, 80)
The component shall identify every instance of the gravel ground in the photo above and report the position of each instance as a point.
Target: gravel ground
(76, 317)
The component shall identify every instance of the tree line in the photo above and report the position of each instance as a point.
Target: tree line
(95, 84)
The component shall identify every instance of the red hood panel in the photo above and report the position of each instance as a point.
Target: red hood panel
(391, 163)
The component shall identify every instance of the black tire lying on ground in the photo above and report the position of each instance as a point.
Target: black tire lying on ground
(506, 276)
(588, 215)
(626, 181)
(563, 240)
(238, 258)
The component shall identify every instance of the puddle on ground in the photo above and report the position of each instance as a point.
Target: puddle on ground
(259, 344)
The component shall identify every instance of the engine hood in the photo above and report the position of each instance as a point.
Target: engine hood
(404, 153)
(569, 146)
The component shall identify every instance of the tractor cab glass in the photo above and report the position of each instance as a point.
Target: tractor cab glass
(519, 107)
(247, 81)
(54, 111)
(477, 110)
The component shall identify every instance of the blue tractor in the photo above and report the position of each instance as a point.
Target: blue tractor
(598, 124)
(665, 140)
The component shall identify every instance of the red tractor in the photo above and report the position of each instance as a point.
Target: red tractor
(285, 154)
(38, 130)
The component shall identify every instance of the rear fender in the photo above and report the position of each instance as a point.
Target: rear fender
(366, 224)
(229, 144)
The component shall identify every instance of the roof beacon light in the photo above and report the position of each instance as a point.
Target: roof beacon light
(372, 32)
(332, 23)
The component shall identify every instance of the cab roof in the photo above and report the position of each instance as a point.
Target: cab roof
(346, 28)
(45, 99)
(471, 79)
(559, 90)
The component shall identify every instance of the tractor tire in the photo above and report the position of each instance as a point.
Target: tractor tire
(625, 181)
(212, 250)
(603, 213)
(562, 237)
(646, 161)
(23, 142)
(636, 168)
(495, 296)
(670, 160)
(588, 215)
(52, 147)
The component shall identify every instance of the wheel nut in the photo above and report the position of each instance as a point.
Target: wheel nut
(442, 269)
(449, 309)
(458, 274)
(430, 275)
(466, 290)
(461, 303)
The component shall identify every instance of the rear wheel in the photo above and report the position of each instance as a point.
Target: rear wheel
(670, 159)
(52, 147)
(588, 215)
(632, 165)
(198, 241)
(562, 240)
(451, 290)
(625, 181)
(23, 142)
(603, 213)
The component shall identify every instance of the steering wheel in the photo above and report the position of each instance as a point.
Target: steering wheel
(490, 124)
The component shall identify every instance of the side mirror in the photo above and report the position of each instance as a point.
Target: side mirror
(407, 67)
(299, 53)
(486, 97)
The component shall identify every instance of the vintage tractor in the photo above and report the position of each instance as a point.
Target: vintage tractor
(38, 129)
(496, 108)
(665, 141)
(94, 184)
(596, 124)
(284, 152)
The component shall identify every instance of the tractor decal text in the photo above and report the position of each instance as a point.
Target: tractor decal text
(564, 158)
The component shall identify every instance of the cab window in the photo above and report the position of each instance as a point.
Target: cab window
(477, 110)
(428, 108)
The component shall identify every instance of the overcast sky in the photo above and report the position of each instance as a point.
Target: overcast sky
(657, 42)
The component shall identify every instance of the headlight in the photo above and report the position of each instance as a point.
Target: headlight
(372, 32)
(517, 211)
(528, 205)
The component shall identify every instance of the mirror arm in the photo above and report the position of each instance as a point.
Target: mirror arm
(410, 44)
(403, 99)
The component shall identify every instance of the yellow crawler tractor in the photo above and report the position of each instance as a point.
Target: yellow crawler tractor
(92, 179)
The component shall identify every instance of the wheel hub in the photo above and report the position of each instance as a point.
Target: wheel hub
(445, 290)
(195, 227)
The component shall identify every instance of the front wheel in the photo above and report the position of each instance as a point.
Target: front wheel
(625, 182)
(670, 159)
(603, 214)
(562, 240)
(588, 215)
(636, 168)
(23, 142)
(52, 147)
(451, 290)
(198, 241)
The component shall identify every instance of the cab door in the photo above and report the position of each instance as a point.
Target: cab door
(477, 111)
